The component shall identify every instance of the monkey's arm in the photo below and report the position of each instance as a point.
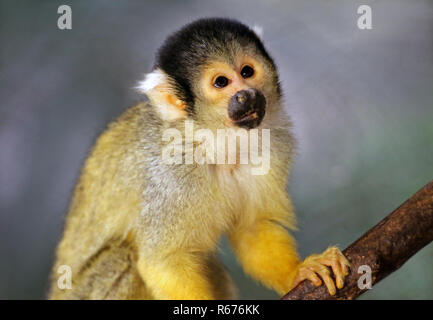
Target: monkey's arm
(268, 253)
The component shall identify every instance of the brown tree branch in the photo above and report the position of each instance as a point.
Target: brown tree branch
(384, 248)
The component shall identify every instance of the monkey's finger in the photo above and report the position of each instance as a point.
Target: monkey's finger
(314, 278)
(345, 267)
(337, 270)
(344, 263)
(307, 274)
(326, 277)
(339, 275)
(336, 254)
(343, 259)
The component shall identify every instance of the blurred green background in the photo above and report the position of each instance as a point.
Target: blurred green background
(361, 102)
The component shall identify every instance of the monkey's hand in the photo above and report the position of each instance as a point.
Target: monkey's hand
(316, 265)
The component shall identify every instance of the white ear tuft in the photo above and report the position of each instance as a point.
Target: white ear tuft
(151, 80)
(258, 30)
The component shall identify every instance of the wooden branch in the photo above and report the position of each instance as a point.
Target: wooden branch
(384, 248)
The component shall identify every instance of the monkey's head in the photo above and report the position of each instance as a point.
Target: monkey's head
(216, 71)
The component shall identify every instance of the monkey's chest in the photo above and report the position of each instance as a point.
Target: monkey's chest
(242, 190)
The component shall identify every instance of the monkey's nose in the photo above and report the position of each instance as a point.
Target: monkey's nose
(245, 96)
(241, 97)
(247, 108)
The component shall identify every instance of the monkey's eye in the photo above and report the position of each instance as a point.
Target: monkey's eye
(221, 82)
(247, 72)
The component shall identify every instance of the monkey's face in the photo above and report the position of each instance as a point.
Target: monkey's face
(235, 90)
(214, 71)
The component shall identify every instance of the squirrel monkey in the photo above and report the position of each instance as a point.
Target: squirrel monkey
(142, 228)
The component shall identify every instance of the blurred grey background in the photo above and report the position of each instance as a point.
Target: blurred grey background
(361, 102)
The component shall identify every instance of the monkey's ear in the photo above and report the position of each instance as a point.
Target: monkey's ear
(158, 87)
(258, 30)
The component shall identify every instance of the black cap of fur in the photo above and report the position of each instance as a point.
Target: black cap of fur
(185, 50)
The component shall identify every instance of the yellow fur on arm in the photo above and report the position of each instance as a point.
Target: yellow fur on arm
(176, 277)
(268, 253)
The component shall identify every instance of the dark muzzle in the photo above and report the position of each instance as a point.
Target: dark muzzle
(247, 108)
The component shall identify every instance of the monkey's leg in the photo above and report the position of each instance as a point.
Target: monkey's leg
(179, 275)
(128, 286)
(109, 274)
(222, 284)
